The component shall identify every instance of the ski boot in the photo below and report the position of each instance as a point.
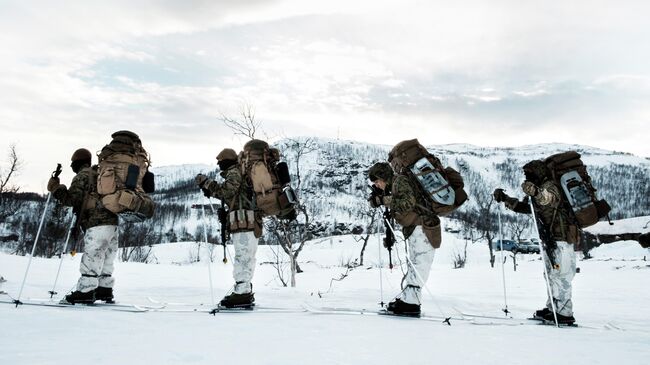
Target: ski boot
(540, 314)
(401, 308)
(79, 297)
(104, 294)
(561, 320)
(238, 301)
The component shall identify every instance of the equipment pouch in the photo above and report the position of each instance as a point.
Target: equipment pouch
(148, 182)
(431, 229)
(242, 219)
(106, 182)
(132, 177)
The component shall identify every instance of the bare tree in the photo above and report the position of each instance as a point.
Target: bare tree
(136, 240)
(371, 213)
(279, 265)
(517, 227)
(460, 258)
(298, 148)
(292, 236)
(485, 222)
(244, 124)
(9, 205)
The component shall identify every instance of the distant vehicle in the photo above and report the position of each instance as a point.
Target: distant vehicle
(528, 247)
(508, 245)
(516, 247)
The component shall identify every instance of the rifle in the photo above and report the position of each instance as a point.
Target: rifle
(389, 240)
(222, 214)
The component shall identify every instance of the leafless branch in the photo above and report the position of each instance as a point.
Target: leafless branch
(244, 124)
(14, 164)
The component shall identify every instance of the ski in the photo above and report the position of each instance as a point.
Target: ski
(380, 312)
(208, 308)
(101, 306)
(255, 308)
(482, 319)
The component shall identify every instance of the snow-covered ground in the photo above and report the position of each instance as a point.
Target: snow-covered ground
(610, 289)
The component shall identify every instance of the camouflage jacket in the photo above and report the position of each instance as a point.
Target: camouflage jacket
(407, 209)
(554, 218)
(236, 194)
(83, 198)
(233, 190)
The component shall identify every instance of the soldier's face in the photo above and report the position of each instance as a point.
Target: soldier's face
(381, 184)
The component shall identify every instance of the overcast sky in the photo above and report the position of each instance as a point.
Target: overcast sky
(493, 73)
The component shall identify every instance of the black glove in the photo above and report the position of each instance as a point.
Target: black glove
(206, 192)
(500, 195)
(375, 201)
(376, 198)
(201, 180)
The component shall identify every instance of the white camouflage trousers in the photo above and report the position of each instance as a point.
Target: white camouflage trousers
(97, 262)
(560, 279)
(244, 266)
(421, 253)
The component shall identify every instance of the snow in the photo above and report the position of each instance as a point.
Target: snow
(629, 225)
(609, 289)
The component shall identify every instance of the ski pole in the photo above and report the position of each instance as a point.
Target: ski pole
(65, 249)
(381, 264)
(205, 236)
(503, 270)
(56, 173)
(422, 282)
(541, 250)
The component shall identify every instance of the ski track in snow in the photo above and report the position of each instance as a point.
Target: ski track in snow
(607, 291)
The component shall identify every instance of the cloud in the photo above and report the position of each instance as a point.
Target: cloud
(485, 73)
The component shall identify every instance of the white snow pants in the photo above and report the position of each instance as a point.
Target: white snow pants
(560, 279)
(244, 266)
(421, 253)
(97, 262)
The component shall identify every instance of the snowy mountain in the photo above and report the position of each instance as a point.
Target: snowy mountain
(334, 187)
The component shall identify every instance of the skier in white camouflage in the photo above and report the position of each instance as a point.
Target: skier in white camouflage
(556, 231)
(245, 230)
(100, 231)
(397, 193)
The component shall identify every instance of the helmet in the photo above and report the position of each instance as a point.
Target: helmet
(227, 154)
(380, 170)
(81, 154)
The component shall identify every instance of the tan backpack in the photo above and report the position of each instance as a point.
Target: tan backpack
(442, 187)
(570, 173)
(123, 164)
(269, 179)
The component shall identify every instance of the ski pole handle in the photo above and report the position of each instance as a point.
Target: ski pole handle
(58, 171)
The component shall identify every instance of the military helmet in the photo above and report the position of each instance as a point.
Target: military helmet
(81, 154)
(227, 154)
(380, 170)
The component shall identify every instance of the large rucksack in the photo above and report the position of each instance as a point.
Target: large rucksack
(570, 173)
(269, 179)
(442, 187)
(123, 168)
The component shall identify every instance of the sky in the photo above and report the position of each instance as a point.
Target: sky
(489, 73)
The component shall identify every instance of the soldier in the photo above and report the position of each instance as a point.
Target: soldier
(100, 231)
(238, 196)
(421, 227)
(557, 233)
